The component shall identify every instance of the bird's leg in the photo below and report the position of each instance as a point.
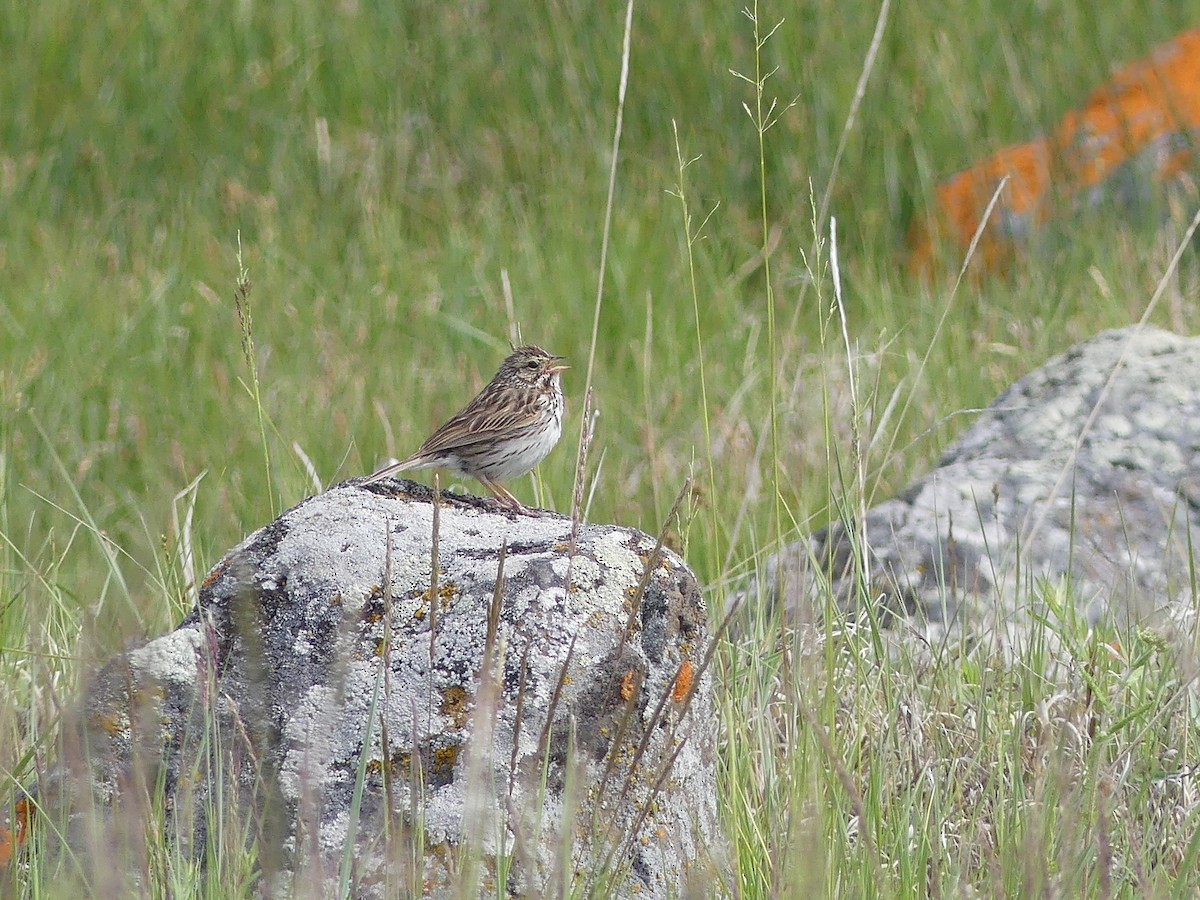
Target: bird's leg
(501, 494)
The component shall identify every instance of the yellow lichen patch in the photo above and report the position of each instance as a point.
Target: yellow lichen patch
(401, 764)
(444, 759)
(455, 705)
(140, 697)
(114, 722)
(447, 591)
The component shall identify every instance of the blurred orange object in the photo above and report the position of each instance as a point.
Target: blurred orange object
(11, 839)
(1134, 133)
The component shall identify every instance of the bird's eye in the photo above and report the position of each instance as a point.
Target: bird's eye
(532, 364)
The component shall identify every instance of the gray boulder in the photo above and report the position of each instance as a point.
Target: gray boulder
(368, 728)
(1082, 480)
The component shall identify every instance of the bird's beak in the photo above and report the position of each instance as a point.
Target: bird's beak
(554, 370)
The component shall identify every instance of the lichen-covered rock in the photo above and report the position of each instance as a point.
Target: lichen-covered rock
(555, 731)
(1083, 478)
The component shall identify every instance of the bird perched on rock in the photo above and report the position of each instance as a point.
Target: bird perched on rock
(509, 428)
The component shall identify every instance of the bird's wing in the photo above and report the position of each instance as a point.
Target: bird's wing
(480, 422)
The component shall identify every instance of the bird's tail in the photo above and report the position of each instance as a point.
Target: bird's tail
(404, 465)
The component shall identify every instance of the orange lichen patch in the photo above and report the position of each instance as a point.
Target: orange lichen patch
(963, 199)
(629, 685)
(683, 681)
(1149, 113)
(12, 838)
(217, 571)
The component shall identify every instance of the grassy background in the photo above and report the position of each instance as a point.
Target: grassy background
(386, 167)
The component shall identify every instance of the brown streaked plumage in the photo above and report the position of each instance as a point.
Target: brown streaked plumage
(509, 428)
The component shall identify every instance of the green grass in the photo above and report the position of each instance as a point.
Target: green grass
(386, 168)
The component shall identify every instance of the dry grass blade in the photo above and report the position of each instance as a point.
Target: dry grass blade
(386, 662)
(518, 719)
(860, 91)
(494, 609)
(585, 443)
(847, 783)
(651, 728)
(651, 563)
(615, 744)
(245, 314)
(433, 565)
(1068, 467)
(608, 205)
(544, 739)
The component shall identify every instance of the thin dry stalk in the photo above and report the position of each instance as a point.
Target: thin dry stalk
(1104, 855)
(654, 791)
(650, 730)
(514, 821)
(1068, 466)
(518, 720)
(416, 804)
(494, 609)
(386, 746)
(860, 91)
(585, 443)
(635, 602)
(481, 750)
(608, 205)
(433, 565)
(544, 740)
(635, 761)
(614, 748)
(241, 301)
(847, 783)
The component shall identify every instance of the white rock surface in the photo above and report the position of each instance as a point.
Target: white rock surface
(582, 753)
(1082, 477)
